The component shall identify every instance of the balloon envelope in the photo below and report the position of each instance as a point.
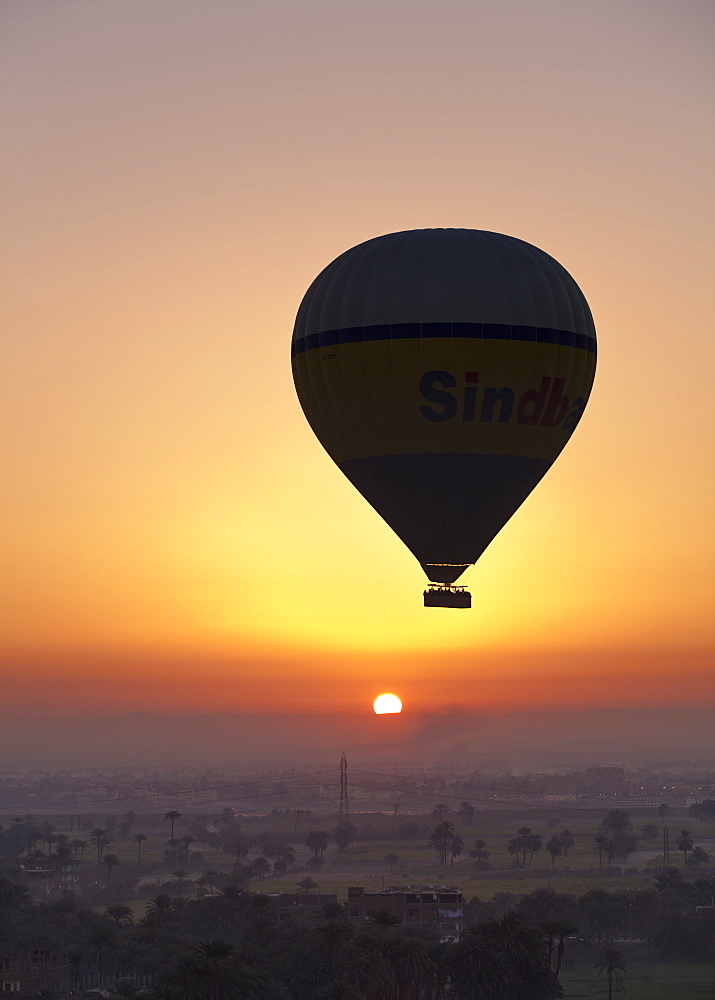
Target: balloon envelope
(443, 370)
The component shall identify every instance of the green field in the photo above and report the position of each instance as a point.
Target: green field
(643, 980)
(364, 864)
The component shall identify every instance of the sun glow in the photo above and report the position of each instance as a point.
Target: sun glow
(386, 704)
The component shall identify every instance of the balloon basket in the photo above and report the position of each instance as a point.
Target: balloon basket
(437, 596)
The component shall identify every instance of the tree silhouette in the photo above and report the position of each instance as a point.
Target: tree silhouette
(121, 914)
(317, 841)
(441, 840)
(100, 840)
(158, 910)
(172, 816)
(139, 839)
(392, 860)
(384, 919)
(455, 848)
(533, 844)
(208, 878)
(78, 845)
(284, 852)
(699, 856)
(214, 971)
(685, 844)
(555, 849)
(440, 811)
(179, 877)
(611, 961)
(306, 884)
(110, 860)
(186, 841)
(479, 851)
(466, 812)
(99, 945)
(261, 867)
(566, 840)
(559, 930)
(600, 844)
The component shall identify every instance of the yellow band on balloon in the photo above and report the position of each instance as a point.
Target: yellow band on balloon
(444, 396)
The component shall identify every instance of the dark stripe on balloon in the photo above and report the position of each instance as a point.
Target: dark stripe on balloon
(459, 331)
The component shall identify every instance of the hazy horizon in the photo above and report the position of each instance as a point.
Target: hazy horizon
(531, 740)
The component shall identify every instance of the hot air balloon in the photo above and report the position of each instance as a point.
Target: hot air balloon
(443, 370)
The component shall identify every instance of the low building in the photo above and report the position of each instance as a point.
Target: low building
(438, 910)
(302, 908)
(28, 975)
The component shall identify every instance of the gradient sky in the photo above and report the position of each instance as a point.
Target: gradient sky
(175, 173)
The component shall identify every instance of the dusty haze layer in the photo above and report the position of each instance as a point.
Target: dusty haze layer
(526, 741)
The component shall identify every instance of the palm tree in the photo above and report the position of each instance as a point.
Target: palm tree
(186, 841)
(563, 929)
(611, 961)
(209, 878)
(284, 852)
(139, 839)
(479, 851)
(466, 812)
(260, 867)
(306, 884)
(297, 813)
(317, 841)
(440, 811)
(172, 815)
(121, 914)
(441, 839)
(384, 919)
(110, 860)
(533, 844)
(243, 846)
(600, 844)
(100, 840)
(566, 840)
(179, 877)
(521, 841)
(685, 844)
(699, 856)
(395, 807)
(158, 910)
(216, 973)
(455, 848)
(78, 845)
(555, 849)
(392, 860)
(99, 944)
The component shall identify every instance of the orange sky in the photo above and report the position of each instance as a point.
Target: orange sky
(175, 175)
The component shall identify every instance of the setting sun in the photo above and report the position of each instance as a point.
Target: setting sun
(385, 704)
